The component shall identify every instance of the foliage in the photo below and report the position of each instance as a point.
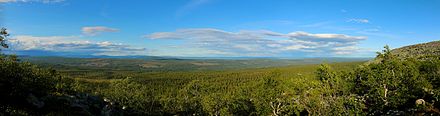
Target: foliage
(21, 79)
(271, 91)
(393, 85)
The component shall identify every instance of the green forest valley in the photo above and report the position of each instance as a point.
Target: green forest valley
(403, 81)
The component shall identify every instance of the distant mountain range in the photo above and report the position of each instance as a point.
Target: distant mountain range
(154, 63)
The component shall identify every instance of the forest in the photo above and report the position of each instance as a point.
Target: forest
(390, 84)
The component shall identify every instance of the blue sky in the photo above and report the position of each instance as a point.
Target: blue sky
(212, 28)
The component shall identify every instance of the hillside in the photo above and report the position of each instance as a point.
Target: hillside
(418, 50)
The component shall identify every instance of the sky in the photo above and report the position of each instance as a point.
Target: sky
(217, 28)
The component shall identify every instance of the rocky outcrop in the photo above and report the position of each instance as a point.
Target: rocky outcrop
(77, 105)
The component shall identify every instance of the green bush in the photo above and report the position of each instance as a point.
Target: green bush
(393, 84)
(21, 80)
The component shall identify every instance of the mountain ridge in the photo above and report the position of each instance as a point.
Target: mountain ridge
(418, 50)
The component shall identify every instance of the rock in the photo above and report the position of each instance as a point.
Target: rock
(420, 102)
(34, 101)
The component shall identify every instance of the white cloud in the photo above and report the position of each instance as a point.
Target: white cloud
(30, 1)
(262, 42)
(325, 37)
(71, 44)
(296, 47)
(5, 1)
(358, 20)
(95, 30)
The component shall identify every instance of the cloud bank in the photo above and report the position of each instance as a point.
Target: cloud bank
(72, 45)
(30, 1)
(96, 30)
(263, 42)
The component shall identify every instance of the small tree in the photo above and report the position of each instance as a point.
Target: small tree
(3, 36)
(324, 73)
(386, 54)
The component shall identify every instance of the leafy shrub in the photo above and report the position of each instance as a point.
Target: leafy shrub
(20, 81)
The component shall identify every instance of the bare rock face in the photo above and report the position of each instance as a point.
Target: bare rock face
(34, 101)
(79, 104)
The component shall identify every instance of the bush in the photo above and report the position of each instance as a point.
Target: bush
(392, 85)
(20, 82)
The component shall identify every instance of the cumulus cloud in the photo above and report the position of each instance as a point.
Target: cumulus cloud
(95, 30)
(324, 37)
(358, 20)
(263, 42)
(30, 1)
(5, 1)
(71, 44)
